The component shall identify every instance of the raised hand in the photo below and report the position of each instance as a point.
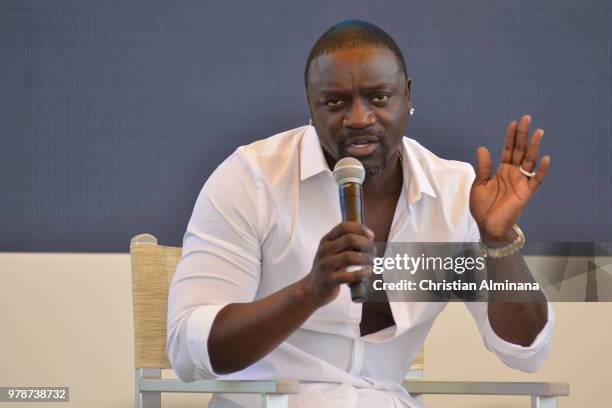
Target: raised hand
(497, 200)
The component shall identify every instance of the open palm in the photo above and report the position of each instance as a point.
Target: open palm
(497, 200)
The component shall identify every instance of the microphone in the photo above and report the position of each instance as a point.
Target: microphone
(349, 175)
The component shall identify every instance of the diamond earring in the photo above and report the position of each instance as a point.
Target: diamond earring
(411, 111)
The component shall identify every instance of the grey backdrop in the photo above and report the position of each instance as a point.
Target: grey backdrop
(113, 114)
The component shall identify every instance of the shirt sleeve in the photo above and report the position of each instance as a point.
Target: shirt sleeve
(220, 264)
(528, 359)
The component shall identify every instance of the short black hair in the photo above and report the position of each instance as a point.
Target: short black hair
(350, 34)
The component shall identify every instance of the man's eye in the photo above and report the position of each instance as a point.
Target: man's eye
(334, 103)
(381, 98)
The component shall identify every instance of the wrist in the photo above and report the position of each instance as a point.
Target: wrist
(304, 296)
(503, 238)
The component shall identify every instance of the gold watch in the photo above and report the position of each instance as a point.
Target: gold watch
(514, 246)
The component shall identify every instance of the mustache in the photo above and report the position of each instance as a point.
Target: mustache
(380, 137)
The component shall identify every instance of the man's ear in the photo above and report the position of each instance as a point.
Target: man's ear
(408, 92)
(408, 87)
(309, 106)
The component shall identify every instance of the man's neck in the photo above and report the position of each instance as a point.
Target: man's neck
(386, 183)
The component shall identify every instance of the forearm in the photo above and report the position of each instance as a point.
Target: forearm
(243, 333)
(516, 317)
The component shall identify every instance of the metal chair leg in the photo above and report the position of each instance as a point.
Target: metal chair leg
(274, 401)
(147, 399)
(543, 402)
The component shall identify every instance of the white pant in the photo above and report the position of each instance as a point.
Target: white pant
(325, 395)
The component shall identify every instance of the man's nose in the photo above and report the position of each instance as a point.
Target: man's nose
(358, 116)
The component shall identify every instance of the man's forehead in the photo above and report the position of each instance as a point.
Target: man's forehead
(364, 64)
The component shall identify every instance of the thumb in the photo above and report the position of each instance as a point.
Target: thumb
(483, 165)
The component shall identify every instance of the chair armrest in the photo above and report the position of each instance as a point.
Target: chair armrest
(487, 388)
(221, 386)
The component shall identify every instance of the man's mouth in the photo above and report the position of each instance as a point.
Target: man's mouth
(361, 145)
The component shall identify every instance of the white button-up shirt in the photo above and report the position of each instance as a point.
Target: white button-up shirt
(255, 229)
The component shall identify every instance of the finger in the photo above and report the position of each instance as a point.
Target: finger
(351, 242)
(348, 227)
(509, 145)
(350, 277)
(537, 180)
(520, 144)
(341, 261)
(532, 152)
(484, 165)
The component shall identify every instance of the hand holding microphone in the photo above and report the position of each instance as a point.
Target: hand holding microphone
(344, 253)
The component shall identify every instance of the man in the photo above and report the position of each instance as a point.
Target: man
(260, 291)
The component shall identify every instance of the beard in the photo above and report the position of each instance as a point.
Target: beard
(373, 163)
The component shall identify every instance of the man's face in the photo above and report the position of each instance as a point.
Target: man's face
(360, 101)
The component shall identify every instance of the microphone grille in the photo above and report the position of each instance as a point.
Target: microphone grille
(349, 170)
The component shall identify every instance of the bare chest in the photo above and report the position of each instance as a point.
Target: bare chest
(376, 316)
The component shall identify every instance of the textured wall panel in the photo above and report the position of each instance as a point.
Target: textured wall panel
(113, 114)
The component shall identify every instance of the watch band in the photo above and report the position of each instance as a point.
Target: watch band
(514, 246)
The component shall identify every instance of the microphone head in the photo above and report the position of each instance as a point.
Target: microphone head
(349, 170)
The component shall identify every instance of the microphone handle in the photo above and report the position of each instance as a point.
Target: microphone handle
(352, 210)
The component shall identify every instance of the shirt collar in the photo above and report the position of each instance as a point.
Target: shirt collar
(312, 160)
(416, 181)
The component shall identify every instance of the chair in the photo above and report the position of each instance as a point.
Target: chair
(152, 270)
(153, 266)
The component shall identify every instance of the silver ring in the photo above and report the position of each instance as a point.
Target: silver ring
(525, 172)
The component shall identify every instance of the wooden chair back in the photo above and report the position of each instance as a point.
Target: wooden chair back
(153, 266)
